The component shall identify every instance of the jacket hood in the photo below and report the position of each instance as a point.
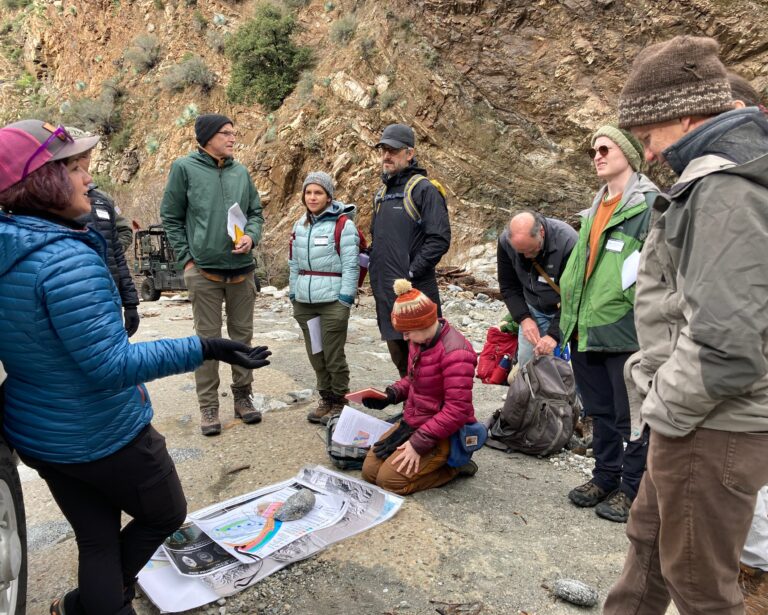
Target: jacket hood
(739, 136)
(22, 235)
(633, 194)
(337, 208)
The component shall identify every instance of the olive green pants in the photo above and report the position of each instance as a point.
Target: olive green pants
(207, 298)
(330, 365)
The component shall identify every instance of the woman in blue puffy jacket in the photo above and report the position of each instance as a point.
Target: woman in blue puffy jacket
(323, 285)
(76, 408)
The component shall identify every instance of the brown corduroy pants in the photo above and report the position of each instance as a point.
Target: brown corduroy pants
(688, 524)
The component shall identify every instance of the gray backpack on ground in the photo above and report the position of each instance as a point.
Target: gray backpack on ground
(540, 411)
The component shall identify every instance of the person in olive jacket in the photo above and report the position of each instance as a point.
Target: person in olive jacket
(201, 189)
(597, 314)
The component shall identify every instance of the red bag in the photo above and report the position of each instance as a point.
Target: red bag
(497, 344)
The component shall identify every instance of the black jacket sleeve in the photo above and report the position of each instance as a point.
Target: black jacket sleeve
(510, 286)
(127, 288)
(435, 226)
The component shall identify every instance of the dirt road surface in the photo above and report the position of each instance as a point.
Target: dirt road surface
(496, 539)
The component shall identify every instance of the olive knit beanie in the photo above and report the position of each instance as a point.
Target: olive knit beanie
(679, 77)
(628, 144)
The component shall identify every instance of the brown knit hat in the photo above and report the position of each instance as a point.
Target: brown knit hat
(679, 77)
(413, 309)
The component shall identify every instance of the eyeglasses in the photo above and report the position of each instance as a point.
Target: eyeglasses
(59, 132)
(228, 133)
(602, 150)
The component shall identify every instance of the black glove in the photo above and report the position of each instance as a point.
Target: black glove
(379, 404)
(384, 448)
(131, 318)
(235, 353)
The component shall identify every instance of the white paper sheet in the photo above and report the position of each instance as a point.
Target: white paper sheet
(629, 270)
(357, 428)
(315, 334)
(236, 222)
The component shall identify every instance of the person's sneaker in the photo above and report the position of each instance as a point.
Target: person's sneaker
(468, 469)
(615, 507)
(337, 405)
(317, 414)
(244, 409)
(209, 421)
(587, 495)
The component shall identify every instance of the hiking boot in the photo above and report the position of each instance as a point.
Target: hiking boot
(468, 469)
(615, 507)
(587, 495)
(244, 405)
(337, 405)
(323, 408)
(209, 421)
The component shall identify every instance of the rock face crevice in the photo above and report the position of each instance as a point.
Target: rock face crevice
(503, 94)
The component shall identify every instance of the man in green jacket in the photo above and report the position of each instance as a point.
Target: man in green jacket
(598, 292)
(202, 188)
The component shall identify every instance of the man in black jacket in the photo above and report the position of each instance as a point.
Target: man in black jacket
(410, 232)
(530, 257)
(103, 219)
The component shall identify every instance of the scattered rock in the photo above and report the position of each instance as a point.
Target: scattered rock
(296, 506)
(297, 397)
(575, 592)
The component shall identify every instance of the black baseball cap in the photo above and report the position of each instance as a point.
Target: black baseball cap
(397, 136)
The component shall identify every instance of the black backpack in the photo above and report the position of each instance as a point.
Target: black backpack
(347, 457)
(540, 411)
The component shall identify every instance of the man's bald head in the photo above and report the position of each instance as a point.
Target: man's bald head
(526, 233)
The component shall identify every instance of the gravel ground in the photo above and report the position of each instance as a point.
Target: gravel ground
(496, 539)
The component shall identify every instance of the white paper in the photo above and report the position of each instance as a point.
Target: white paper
(614, 245)
(172, 592)
(315, 334)
(629, 270)
(357, 428)
(236, 222)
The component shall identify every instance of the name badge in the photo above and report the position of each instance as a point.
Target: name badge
(102, 213)
(541, 280)
(321, 241)
(614, 245)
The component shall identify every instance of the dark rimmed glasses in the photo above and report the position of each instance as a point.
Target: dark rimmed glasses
(602, 150)
(60, 132)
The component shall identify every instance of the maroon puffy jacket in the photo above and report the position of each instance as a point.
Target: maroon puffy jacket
(438, 388)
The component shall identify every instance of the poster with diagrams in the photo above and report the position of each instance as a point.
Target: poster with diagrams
(174, 588)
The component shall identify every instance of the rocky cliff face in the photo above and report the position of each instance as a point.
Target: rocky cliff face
(503, 94)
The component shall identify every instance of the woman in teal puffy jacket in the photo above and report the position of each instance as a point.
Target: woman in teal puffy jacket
(323, 285)
(75, 405)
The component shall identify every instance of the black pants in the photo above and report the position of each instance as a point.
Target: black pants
(398, 350)
(619, 463)
(139, 479)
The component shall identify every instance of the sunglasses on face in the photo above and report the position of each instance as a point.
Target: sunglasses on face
(602, 150)
(60, 132)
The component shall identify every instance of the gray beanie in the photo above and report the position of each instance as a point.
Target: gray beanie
(321, 179)
(628, 144)
(677, 78)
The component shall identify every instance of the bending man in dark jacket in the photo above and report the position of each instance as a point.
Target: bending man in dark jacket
(410, 231)
(103, 218)
(528, 241)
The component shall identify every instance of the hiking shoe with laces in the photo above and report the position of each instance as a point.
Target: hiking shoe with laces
(615, 507)
(325, 405)
(209, 421)
(587, 495)
(244, 409)
(337, 405)
(468, 469)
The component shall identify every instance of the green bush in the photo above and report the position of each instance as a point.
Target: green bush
(367, 48)
(296, 4)
(306, 86)
(343, 30)
(191, 71)
(121, 139)
(94, 114)
(199, 21)
(16, 4)
(217, 40)
(387, 99)
(265, 63)
(144, 52)
(313, 142)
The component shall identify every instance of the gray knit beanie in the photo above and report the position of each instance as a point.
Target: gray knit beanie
(321, 179)
(677, 78)
(628, 144)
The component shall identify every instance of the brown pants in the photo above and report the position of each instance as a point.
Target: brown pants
(207, 298)
(688, 524)
(432, 470)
